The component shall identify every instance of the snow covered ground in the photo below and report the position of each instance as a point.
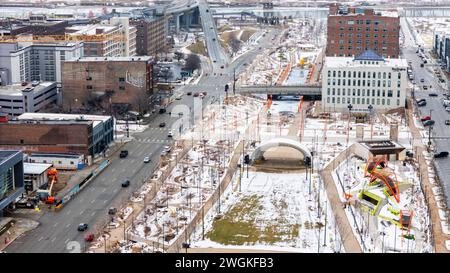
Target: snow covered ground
(274, 211)
(379, 233)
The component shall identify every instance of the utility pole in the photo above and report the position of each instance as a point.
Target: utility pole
(325, 235)
(234, 81)
(128, 129)
(429, 133)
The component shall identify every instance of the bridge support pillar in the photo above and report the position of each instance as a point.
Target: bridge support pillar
(177, 22)
(187, 20)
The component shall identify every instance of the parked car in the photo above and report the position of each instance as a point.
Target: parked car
(162, 110)
(422, 80)
(147, 159)
(425, 87)
(447, 108)
(196, 94)
(170, 134)
(125, 183)
(189, 93)
(425, 118)
(441, 154)
(112, 210)
(422, 103)
(82, 227)
(429, 122)
(422, 65)
(123, 153)
(447, 122)
(433, 94)
(162, 124)
(419, 100)
(167, 148)
(89, 237)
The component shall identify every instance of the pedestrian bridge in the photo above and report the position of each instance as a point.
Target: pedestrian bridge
(258, 154)
(292, 90)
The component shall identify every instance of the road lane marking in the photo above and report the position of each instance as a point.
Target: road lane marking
(53, 239)
(40, 239)
(66, 240)
(68, 212)
(81, 212)
(93, 200)
(116, 190)
(67, 225)
(92, 214)
(55, 224)
(104, 202)
(104, 190)
(113, 169)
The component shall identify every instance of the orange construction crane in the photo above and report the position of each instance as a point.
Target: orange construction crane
(52, 175)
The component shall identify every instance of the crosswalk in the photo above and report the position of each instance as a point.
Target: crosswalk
(152, 140)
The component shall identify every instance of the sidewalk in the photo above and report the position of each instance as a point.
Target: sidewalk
(351, 244)
(438, 235)
(19, 227)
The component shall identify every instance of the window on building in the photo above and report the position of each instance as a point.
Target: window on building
(121, 79)
(89, 87)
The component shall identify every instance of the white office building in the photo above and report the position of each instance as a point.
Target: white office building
(17, 99)
(35, 62)
(361, 81)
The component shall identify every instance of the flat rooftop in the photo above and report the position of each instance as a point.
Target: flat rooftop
(342, 62)
(112, 59)
(17, 89)
(97, 119)
(90, 29)
(386, 146)
(35, 168)
(5, 155)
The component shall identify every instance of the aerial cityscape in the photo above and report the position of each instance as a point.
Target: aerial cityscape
(238, 126)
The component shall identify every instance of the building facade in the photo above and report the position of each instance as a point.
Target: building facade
(152, 28)
(11, 177)
(102, 127)
(368, 79)
(351, 31)
(113, 84)
(17, 99)
(151, 35)
(88, 135)
(441, 46)
(35, 62)
(35, 176)
(114, 38)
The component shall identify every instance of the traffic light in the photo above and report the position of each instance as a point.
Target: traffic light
(247, 159)
(307, 161)
(226, 87)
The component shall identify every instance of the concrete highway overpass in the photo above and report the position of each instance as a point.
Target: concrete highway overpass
(314, 91)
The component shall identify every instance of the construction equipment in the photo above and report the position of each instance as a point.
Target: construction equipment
(46, 195)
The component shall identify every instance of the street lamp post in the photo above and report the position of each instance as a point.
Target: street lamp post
(429, 133)
(371, 123)
(349, 118)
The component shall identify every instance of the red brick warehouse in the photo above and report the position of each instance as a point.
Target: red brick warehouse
(353, 30)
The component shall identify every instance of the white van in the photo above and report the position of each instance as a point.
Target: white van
(446, 103)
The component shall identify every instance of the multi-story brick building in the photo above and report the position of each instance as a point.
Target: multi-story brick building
(114, 84)
(57, 133)
(115, 39)
(152, 27)
(353, 30)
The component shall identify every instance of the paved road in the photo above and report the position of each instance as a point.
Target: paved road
(90, 206)
(434, 104)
